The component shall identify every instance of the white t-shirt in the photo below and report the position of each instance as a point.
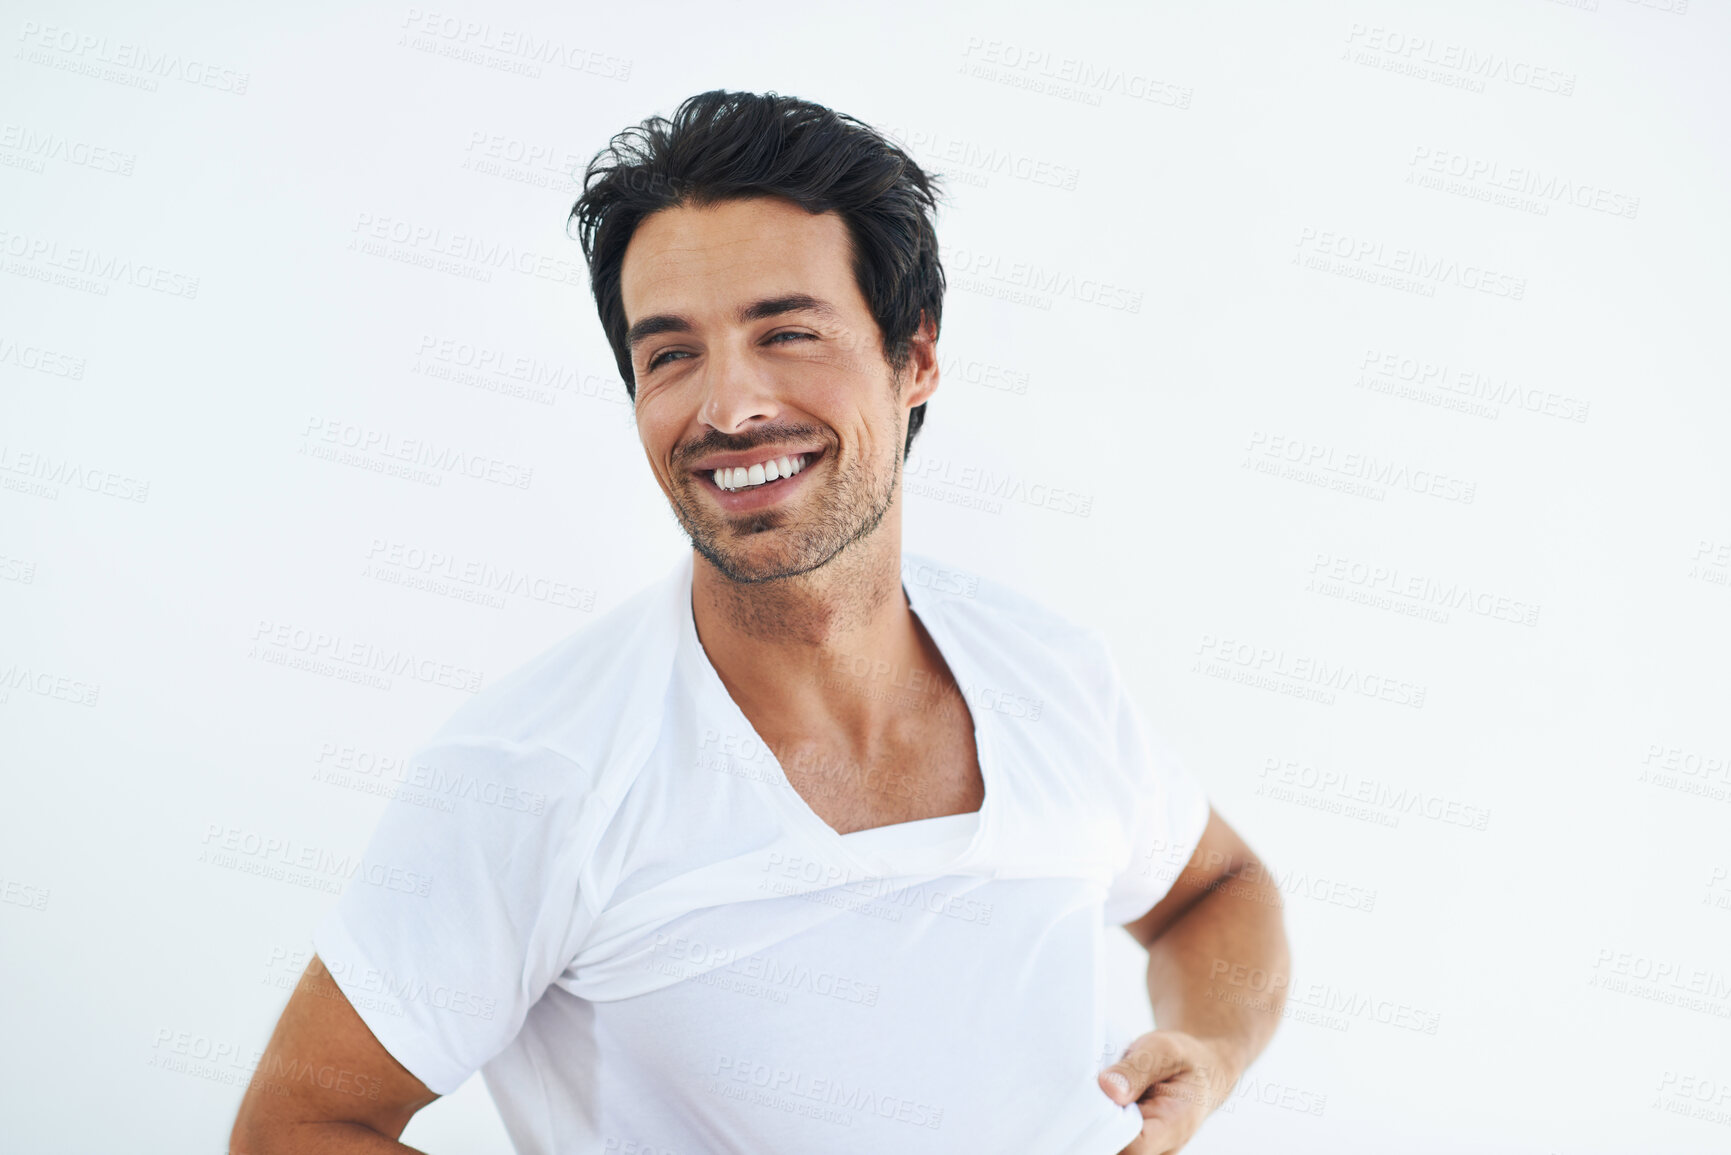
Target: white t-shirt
(606, 897)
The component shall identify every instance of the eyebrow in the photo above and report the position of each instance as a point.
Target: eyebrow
(755, 311)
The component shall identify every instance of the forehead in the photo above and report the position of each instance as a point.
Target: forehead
(684, 259)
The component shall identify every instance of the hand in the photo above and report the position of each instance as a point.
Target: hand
(1176, 1079)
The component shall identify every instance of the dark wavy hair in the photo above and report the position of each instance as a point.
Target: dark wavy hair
(723, 146)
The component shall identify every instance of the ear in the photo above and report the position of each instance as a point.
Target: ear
(922, 368)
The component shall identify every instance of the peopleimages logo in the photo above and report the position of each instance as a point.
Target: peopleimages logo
(924, 469)
(40, 360)
(1493, 175)
(1422, 269)
(1427, 58)
(1278, 668)
(1069, 77)
(316, 868)
(99, 56)
(50, 471)
(832, 1092)
(694, 959)
(48, 684)
(1271, 451)
(1043, 281)
(473, 40)
(345, 765)
(327, 437)
(273, 640)
(1379, 368)
(976, 162)
(92, 269)
(477, 255)
(1376, 795)
(34, 147)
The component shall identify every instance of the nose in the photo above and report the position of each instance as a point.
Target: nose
(737, 393)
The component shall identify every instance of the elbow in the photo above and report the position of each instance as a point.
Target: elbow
(255, 1132)
(245, 1137)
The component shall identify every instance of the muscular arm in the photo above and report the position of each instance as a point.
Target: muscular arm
(325, 1084)
(1220, 923)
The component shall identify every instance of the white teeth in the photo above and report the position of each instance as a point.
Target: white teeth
(740, 477)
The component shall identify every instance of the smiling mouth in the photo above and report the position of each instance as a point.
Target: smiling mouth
(766, 474)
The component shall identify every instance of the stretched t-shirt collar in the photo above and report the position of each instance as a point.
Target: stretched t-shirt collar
(945, 844)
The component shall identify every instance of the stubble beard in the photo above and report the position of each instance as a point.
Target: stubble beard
(848, 507)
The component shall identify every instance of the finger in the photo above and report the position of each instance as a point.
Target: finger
(1157, 1137)
(1150, 1059)
(1172, 1111)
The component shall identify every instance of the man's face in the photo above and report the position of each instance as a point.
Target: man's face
(751, 343)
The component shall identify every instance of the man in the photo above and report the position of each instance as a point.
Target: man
(782, 855)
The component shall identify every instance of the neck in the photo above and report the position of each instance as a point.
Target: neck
(785, 648)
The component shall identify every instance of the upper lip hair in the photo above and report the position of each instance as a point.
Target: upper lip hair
(749, 458)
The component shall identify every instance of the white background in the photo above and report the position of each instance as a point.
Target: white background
(1278, 491)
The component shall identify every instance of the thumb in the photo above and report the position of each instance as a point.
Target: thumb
(1152, 1058)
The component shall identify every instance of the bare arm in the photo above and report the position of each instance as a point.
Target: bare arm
(1219, 924)
(1221, 919)
(325, 1084)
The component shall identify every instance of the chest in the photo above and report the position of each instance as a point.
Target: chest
(843, 1031)
(927, 769)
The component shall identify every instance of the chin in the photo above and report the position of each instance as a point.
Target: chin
(759, 557)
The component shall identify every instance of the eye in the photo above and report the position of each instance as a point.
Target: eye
(663, 355)
(795, 333)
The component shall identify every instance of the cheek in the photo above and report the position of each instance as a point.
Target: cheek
(852, 404)
(658, 421)
(657, 447)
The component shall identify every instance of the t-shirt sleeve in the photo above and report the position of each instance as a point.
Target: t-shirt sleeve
(465, 905)
(1166, 818)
